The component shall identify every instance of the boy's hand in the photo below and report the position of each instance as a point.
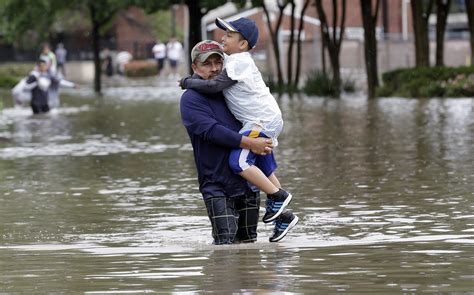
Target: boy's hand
(182, 82)
(261, 146)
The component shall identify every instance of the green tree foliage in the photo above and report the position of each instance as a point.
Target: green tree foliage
(161, 24)
(38, 16)
(28, 16)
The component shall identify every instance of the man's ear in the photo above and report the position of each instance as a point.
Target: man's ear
(193, 66)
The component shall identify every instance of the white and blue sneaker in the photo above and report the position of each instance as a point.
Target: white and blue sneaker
(283, 224)
(275, 205)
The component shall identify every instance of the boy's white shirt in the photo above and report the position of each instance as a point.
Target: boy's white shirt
(250, 100)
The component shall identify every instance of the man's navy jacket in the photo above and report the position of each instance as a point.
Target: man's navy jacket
(214, 132)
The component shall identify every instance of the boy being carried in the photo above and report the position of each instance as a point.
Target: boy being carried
(251, 102)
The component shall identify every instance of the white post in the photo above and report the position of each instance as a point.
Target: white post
(405, 19)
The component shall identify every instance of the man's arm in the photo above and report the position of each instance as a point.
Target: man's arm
(215, 85)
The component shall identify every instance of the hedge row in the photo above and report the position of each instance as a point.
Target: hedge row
(11, 73)
(141, 68)
(428, 82)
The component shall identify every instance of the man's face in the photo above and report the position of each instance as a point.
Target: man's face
(208, 69)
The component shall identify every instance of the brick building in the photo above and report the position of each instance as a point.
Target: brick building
(394, 33)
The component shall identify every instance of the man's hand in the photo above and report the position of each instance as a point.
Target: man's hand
(259, 146)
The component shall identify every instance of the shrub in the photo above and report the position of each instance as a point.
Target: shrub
(348, 86)
(16, 69)
(318, 83)
(8, 81)
(433, 90)
(140, 68)
(11, 73)
(428, 82)
(383, 91)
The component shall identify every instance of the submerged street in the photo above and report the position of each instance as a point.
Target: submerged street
(102, 195)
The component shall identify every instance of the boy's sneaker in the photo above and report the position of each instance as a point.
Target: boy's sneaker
(283, 224)
(275, 205)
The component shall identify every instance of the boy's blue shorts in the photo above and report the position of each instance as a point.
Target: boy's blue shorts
(241, 159)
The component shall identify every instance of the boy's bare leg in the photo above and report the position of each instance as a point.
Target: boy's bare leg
(274, 180)
(254, 175)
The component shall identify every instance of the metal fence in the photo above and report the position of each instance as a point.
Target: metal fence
(75, 52)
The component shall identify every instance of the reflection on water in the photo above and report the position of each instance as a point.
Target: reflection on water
(101, 197)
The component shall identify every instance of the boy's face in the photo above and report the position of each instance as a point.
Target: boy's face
(42, 67)
(232, 42)
(208, 69)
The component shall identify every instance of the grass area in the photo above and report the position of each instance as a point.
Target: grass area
(11, 73)
(428, 82)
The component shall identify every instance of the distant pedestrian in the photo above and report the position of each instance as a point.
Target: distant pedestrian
(107, 62)
(174, 51)
(50, 58)
(123, 58)
(61, 54)
(39, 82)
(41, 88)
(159, 52)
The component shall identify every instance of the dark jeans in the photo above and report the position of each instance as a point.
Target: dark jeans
(38, 109)
(160, 62)
(234, 219)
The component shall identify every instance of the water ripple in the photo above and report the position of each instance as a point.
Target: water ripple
(91, 147)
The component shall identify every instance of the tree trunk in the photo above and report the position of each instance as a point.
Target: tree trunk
(298, 46)
(274, 37)
(385, 19)
(195, 17)
(96, 49)
(441, 17)
(323, 51)
(470, 18)
(336, 72)
(370, 45)
(333, 43)
(420, 31)
(290, 47)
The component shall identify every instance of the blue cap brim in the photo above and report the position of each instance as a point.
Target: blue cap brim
(222, 24)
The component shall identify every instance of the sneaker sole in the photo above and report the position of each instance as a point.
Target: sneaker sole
(290, 226)
(285, 203)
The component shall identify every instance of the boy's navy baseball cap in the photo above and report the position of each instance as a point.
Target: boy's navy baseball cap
(246, 27)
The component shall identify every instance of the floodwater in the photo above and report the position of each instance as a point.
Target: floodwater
(101, 197)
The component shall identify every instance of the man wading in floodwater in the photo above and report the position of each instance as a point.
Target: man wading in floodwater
(232, 204)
